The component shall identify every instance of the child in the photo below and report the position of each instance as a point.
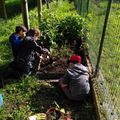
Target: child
(75, 82)
(27, 52)
(16, 38)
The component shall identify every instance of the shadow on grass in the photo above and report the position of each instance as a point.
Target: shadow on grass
(4, 43)
(5, 51)
(14, 8)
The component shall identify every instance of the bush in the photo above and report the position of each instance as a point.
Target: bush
(65, 30)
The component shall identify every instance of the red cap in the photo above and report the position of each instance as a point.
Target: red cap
(75, 58)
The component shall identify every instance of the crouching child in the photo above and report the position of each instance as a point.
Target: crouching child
(75, 82)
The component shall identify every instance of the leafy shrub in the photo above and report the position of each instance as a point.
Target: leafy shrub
(65, 30)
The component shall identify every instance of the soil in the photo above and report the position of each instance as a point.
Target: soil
(58, 65)
(55, 64)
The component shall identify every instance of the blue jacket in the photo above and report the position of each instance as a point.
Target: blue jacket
(15, 41)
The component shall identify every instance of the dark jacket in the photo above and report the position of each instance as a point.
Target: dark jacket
(26, 53)
(77, 79)
(15, 41)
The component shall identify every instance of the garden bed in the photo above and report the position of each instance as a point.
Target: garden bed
(50, 76)
(37, 96)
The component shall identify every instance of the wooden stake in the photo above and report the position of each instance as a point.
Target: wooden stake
(24, 7)
(3, 13)
(39, 5)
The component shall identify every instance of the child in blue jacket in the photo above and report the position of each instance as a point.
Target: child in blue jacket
(16, 38)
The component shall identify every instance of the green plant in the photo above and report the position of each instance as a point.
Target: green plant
(67, 29)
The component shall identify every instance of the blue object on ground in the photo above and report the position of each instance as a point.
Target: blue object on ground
(1, 100)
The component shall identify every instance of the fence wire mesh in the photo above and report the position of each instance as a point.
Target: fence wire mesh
(96, 15)
(82, 6)
(110, 60)
(110, 57)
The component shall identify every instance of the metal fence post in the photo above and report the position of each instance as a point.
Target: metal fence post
(102, 37)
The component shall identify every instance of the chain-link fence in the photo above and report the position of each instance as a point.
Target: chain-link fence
(107, 31)
(110, 56)
(110, 59)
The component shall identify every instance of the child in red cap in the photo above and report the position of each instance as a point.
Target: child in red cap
(75, 58)
(75, 82)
